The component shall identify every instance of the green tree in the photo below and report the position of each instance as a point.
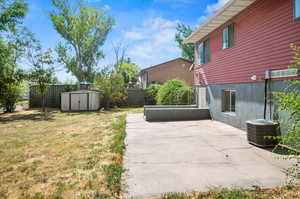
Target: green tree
(42, 72)
(187, 50)
(130, 73)
(111, 86)
(84, 30)
(11, 14)
(288, 103)
(172, 92)
(11, 50)
(11, 78)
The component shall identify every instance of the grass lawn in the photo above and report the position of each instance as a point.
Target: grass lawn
(24, 102)
(79, 155)
(288, 192)
(70, 155)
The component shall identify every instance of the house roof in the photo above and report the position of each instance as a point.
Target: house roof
(231, 9)
(151, 67)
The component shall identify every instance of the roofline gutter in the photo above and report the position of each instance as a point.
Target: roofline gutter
(191, 38)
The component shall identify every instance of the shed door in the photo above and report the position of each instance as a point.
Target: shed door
(75, 102)
(79, 102)
(83, 106)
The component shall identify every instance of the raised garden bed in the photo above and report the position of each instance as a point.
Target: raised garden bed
(175, 113)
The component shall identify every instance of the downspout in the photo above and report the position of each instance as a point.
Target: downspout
(266, 95)
(267, 79)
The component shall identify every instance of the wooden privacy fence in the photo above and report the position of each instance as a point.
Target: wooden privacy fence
(52, 96)
(135, 97)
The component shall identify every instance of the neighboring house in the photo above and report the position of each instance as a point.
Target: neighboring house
(174, 69)
(237, 49)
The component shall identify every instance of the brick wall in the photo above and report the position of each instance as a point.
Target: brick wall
(176, 69)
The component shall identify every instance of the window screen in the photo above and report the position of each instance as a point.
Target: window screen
(207, 51)
(225, 38)
(201, 53)
(228, 36)
(204, 52)
(228, 100)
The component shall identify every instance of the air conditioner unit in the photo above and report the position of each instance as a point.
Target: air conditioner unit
(257, 130)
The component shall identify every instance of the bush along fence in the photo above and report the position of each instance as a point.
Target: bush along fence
(135, 97)
(169, 94)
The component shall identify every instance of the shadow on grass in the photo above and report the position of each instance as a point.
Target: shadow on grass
(12, 117)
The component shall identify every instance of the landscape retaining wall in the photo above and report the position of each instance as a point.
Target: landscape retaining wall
(175, 113)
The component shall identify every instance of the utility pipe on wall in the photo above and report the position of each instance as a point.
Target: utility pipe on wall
(267, 79)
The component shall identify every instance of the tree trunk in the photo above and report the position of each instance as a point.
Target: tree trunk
(9, 108)
(43, 103)
(107, 104)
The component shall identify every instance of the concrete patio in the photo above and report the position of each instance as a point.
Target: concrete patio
(184, 156)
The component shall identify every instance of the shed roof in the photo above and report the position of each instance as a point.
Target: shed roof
(231, 8)
(81, 92)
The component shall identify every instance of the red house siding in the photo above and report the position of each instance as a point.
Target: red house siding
(263, 33)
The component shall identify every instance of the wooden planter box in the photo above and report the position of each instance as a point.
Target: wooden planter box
(257, 130)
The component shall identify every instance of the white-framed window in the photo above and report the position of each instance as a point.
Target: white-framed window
(204, 52)
(296, 9)
(228, 100)
(228, 36)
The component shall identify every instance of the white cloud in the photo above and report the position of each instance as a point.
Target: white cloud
(93, 1)
(107, 7)
(173, 1)
(153, 41)
(132, 35)
(212, 9)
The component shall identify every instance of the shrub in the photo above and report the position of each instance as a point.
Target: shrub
(151, 94)
(112, 88)
(288, 102)
(10, 96)
(172, 92)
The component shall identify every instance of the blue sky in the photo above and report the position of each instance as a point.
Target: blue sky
(146, 27)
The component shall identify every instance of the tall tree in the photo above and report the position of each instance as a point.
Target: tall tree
(84, 30)
(183, 32)
(11, 77)
(11, 50)
(42, 68)
(43, 75)
(11, 14)
(119, 50)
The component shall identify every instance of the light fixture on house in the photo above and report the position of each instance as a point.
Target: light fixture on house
(254, 77)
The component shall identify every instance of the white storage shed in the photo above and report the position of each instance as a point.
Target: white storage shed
(82, 100)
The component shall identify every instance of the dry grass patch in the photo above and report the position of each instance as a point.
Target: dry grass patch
(66, 156)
